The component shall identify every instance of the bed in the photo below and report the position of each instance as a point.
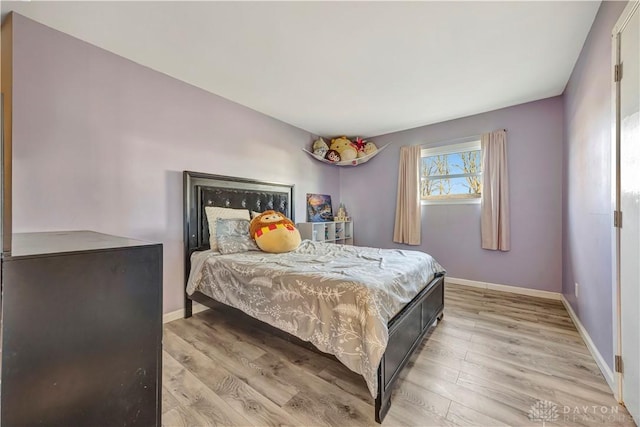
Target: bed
(399, 294)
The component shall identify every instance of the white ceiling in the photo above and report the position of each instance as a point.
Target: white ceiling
(354, 68)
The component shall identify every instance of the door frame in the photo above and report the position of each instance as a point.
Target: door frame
(622, 22)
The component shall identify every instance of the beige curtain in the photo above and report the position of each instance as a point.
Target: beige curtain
(495, 192)
(407, 225)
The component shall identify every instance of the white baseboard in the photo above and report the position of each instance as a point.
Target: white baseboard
(179, 314)
(505, 288)
(602, 364)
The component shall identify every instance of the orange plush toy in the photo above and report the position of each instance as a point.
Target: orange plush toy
(274, 232)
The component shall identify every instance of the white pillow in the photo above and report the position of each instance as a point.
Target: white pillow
(214, 213)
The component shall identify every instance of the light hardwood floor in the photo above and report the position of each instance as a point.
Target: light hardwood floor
(493, 357)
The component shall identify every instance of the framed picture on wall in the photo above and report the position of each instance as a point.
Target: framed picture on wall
(319, 208)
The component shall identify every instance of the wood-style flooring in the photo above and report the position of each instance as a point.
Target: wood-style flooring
(488, 363)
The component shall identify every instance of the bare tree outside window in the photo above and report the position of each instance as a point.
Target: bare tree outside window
(429, 168)
(471, 165)
(454, 175)
(436, 166)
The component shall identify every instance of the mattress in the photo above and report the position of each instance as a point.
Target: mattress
(337, 297)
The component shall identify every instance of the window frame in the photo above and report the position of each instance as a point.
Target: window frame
(466, 144)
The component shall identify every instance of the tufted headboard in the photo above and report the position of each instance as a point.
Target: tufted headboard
(201, 190)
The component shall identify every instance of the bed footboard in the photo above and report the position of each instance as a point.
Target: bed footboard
(406, 330)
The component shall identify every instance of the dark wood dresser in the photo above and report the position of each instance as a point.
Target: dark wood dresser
(81, 331)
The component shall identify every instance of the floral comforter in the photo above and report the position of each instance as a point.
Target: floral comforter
(337, 297)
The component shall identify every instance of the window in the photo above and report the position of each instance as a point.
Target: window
(451, 173)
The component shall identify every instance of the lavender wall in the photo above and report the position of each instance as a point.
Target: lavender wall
(100, 143)
(451, 233)
(588, 218)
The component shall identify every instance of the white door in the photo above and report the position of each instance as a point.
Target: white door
(629, 131)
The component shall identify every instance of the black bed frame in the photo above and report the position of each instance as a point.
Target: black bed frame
(406, 329)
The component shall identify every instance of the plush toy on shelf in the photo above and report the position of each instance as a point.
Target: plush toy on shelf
(369, 148)
(345, 148)
(274, 232)
(333, 156)
(365, 147)
(342, 151)
(320, 148)
(360, 143)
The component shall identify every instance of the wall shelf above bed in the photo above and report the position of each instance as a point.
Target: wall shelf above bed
(354, 162)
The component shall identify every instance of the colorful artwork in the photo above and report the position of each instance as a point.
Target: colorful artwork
(319, 208)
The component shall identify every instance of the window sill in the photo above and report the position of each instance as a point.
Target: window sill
(451, 202)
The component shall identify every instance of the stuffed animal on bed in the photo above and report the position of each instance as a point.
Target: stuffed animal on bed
(274, 232)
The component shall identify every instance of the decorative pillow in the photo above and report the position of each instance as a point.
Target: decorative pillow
(274, 232)
(214, 213)
(233, 236)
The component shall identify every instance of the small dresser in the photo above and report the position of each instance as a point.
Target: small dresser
(81, 331)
